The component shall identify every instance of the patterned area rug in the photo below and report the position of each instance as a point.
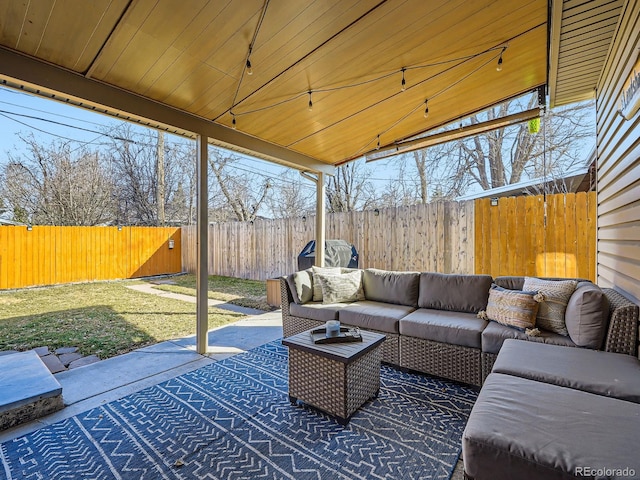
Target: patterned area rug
(233, 420)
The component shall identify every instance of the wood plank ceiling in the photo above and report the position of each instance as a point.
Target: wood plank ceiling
(191, 55)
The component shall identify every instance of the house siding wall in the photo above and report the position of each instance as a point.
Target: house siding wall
(618, 245)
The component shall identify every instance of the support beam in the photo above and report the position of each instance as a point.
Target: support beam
(202, 248)
(318, 179)
(320, 219)
(32, 75)
(453, 134)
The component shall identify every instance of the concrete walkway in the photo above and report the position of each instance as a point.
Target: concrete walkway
(148, 288)
(88, 387)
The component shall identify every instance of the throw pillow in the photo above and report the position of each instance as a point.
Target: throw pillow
(587, 315)
(556, 295)
(340, 288)
(301, 286)
(317, 287)
(512, 308)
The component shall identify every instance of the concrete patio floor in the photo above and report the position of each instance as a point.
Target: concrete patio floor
(90, 386)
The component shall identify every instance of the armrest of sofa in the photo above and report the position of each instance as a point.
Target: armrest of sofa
(287, 296)
(622, 335)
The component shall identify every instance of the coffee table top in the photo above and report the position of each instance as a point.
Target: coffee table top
(341, 352)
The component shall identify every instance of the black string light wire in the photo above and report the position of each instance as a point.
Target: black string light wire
(435, 95)
(458, 61)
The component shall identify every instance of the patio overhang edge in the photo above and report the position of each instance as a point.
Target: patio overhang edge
(42, 78)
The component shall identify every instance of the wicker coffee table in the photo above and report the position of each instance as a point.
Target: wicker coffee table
(337, 378)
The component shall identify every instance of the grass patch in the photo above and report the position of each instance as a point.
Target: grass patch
(245, 293)
(105, 319)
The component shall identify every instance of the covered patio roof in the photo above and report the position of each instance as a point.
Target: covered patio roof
(310, 84)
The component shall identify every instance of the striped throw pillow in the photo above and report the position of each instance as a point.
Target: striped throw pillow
(513, 308)
(317, 287)
(556, 295)
(340, 288)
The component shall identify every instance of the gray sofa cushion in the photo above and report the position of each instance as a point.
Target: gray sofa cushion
(603, 373)
(516, 282)
(317, 311)
(301, 286)
(455, 328)
(587, 315)
(495, 334)
(457, 293)
(374, 315)
(400, 288)
(522, 429)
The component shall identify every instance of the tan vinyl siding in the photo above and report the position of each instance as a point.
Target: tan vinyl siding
(618, 253)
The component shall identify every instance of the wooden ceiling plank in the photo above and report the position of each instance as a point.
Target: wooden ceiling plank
(359, 65)
(360, 61)
(33, 26)
(12, 18)
(335, 144)
(120, 40)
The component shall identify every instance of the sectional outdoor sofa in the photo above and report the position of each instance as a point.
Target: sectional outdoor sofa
(547, 409)
(432, 324)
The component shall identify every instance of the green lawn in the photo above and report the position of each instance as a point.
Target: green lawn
(105, 319)
(246, 293)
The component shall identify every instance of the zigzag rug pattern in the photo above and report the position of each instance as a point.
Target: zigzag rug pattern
(232, 420)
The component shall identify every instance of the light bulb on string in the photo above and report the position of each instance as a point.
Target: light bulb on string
(426, 108)
(378, 146)
(249, 69)
(499, 67)
(233, 121)
(310, 102)
(403, 86)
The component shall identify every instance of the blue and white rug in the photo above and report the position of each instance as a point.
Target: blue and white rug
(233, 420)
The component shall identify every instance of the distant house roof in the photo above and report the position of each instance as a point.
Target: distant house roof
(576, 180)
(6, 221)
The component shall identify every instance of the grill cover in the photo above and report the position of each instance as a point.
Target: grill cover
(338, 253)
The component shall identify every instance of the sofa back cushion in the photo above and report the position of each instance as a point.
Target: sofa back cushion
(400, 288)
(587, 315)
(517, 282)
(456, 293)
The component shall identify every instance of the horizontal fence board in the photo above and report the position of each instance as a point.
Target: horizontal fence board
(47, 255)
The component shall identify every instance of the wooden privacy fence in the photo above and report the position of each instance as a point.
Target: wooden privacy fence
(48, 255)
(511, 238)
(432, 237)
(517, 238)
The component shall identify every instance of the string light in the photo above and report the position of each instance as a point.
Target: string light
(499, 67)
(378, 146)
(426, 108)
(460, 60)
(310, 102)
(233, 121)
(249, 69)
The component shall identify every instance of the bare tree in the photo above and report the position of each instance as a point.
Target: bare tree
(135, 159)
(291, 196)
(504, 156)
(243, 197)
(349, 189)
(55, 185)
